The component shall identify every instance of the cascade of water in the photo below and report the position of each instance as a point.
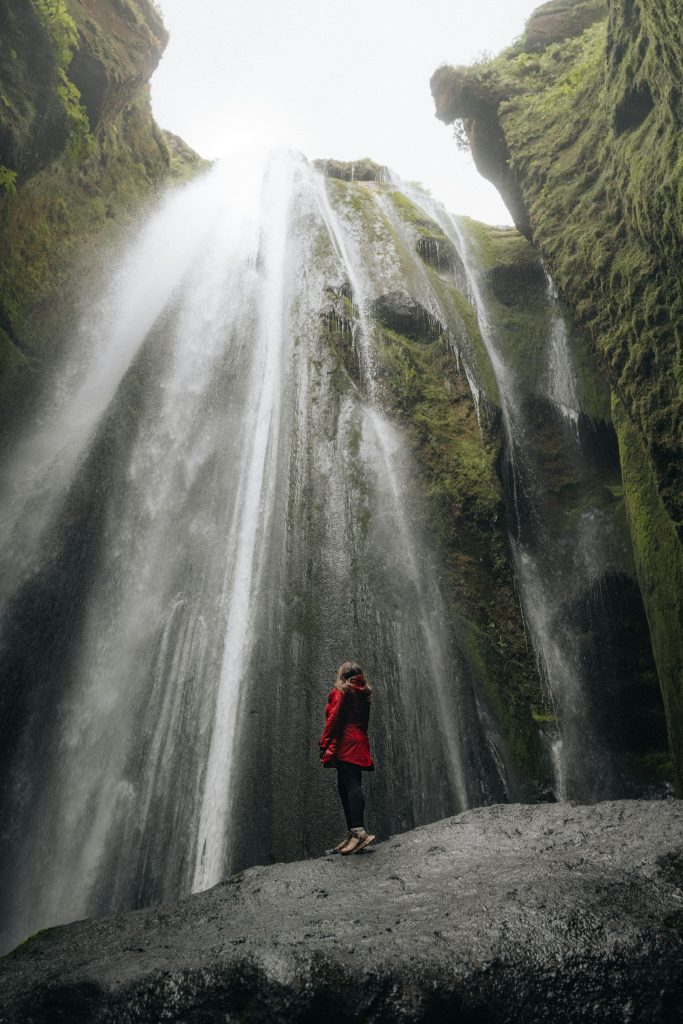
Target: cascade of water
(91, 792)
(562, 384)
(429, 600)
(256, 488)
(213, 523)
(556, 568)
(342, 241)
(42, 465)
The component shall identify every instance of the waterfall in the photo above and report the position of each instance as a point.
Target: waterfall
(566, 571)
(202, 517)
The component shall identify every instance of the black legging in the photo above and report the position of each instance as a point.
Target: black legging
(350, 786)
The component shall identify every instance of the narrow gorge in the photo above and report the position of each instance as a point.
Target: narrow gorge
(263, 415)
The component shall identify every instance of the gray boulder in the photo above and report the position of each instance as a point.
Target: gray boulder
(502, 914)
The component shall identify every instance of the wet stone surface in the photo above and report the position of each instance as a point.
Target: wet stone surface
(508, 913)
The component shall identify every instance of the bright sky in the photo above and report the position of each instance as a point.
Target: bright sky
(341, 80)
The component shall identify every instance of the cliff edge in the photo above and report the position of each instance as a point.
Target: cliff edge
(79, 150)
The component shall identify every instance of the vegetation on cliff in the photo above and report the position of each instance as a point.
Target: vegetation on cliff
(578, 124)
(79, 150)
(571, 482)
(459, 459)
(449, 408)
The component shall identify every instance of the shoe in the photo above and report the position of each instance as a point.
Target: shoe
(340, 846)
(358, 841)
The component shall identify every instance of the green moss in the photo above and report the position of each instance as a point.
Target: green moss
(62, 30)
(73, 191)
(659, 564)
(656, 766)
(464, 499)
(61, 27)
(499, 246)
(412, 215)
(8, 179)
(518, 304)
(592, 126)
(358, 197)
(544, 717)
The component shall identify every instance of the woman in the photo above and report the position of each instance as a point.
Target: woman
(344, 744)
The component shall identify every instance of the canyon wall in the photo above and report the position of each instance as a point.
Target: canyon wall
(80, 153)
(578, 125)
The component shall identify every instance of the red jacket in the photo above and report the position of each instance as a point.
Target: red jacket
(345, 736)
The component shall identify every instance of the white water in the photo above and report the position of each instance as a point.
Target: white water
(208, 527)
(242, 581)
(44, 462)
(551, 569)
(206, 515)
(561, 375)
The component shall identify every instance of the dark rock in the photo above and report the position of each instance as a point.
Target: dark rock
(503, 914)
(438, 252)
(400, 312)
(460, 96)
(354, 170)
(633, 107)
(33, 125)
(511, 280)
(109, 74)
(561, 19)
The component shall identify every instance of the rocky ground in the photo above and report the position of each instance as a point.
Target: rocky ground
(507, 913)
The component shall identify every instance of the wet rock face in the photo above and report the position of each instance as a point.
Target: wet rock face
(561, 19)
(596, 163)
(108, 77)
(399, 312)
(354, 170)
(502, 914)
(32, 123)
(116, 49)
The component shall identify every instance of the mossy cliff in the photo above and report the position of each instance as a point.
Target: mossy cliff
(79, 148)
(435, 379)
(435, 376)
(578, 124)
(459, 459)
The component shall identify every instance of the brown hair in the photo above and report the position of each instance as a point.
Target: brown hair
(346, 671)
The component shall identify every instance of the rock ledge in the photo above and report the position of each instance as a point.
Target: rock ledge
(501, 914)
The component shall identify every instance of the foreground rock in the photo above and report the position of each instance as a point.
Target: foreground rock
(507, 913)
